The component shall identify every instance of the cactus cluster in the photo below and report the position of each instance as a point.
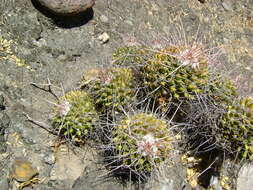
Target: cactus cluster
(209, 110)
(141, 141)
(75, 116)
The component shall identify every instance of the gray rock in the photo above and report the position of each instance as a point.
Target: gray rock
(245, 177)
(214, 183)
(104, 18)
(168, 178)
(227, 5)
(90, 180)
(49, 159)
(4, 123)
(67, 168)
(4, 184)
(2, 101)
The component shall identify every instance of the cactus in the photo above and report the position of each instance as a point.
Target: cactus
(130, 56)
(112, 89)
(237, 127)
(169, 78)
(75, 116)
(142, 141)
(203, 114)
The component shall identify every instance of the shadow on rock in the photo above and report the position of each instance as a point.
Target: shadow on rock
(65, 21)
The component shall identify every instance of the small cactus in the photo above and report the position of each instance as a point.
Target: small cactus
(168, 77)
(75, 116)
(142, 141)
(112, 89)
(237, 127)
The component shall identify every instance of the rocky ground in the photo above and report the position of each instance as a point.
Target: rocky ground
(36, 46)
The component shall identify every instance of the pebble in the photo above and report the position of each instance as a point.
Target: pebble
(67, 7)
(62, 57)
(104, 19)
(49, 159)
(129, 22)
(104, 37)
(22, 170)
(39, 43)
(227, 6)
(214, 183)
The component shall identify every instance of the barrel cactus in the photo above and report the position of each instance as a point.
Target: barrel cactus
(167, 76)
(237, 127)
(141, 142)
(112, 88)
(75, 116)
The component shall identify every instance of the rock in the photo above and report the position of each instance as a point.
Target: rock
(227, 5)
(67, 7)
(104, 19)
(214, 183)
(4, 184)
(4, 123)
(22, 170)
(2, 102)
(49, 159)
(169, 178)
(104, 37)
(90, 180)
(68, 167)
(245, 177)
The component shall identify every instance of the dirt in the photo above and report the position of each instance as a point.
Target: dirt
(36, 46)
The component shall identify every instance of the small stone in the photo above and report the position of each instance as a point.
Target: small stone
(104, 19)
(104, 37)
(40, 43)
(206, 19)
(53, 175)
(62, 57)
(129, 22)
(227, 6)
(67, 7)
(49, 159)
(22, 170)
(214, 183)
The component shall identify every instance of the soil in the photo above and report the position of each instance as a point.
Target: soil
(37, 46)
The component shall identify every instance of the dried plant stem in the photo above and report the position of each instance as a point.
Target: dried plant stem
(39, 124)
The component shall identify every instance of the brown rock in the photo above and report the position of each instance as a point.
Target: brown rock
(22, 170)
(67, 7)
